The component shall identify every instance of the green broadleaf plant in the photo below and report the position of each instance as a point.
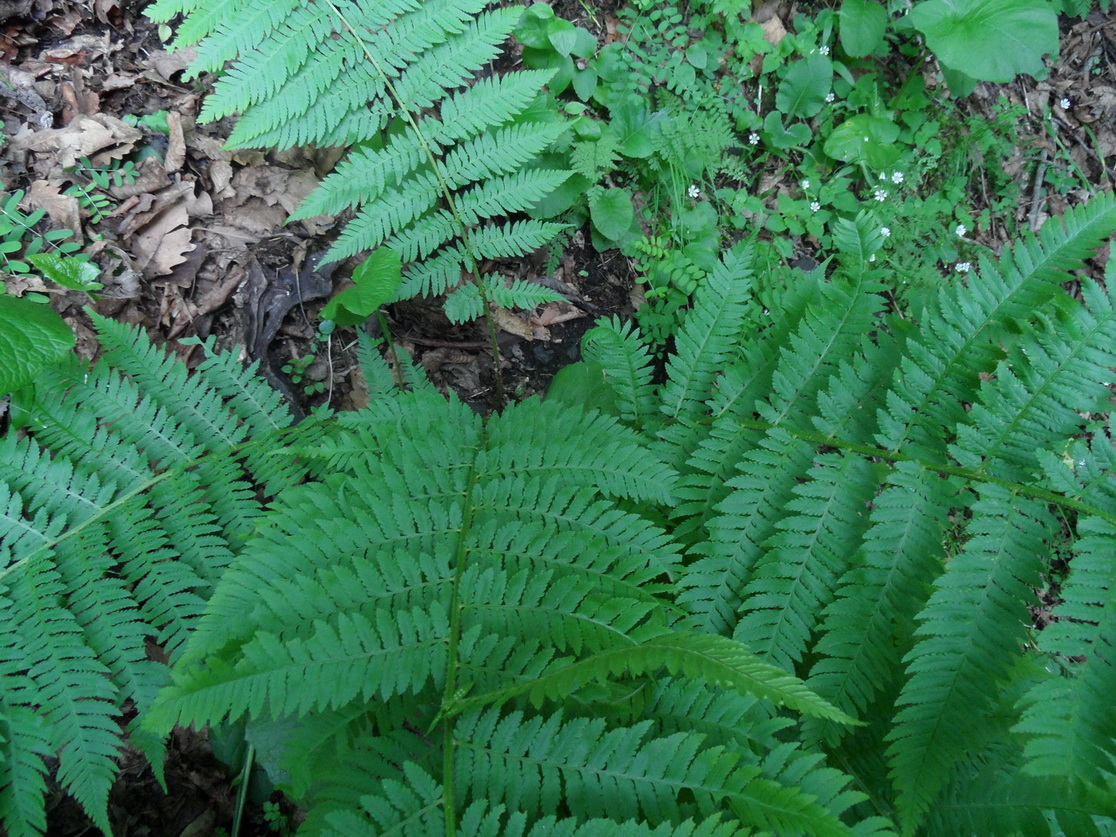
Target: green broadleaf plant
(989, 40)
(33, 337)
(863, 26)
(375, 282)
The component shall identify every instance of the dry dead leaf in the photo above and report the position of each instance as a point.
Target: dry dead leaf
(773, 30)
(513, 324)
(554, 313)
(63, 210)
(20, 85)
(164, 242)
(157, 224)
(100, 137)
(176, 144)
(166, 64)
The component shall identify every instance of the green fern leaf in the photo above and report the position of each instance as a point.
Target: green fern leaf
(24, 743)
(706, 338)
(798, 576)
(1067, 718)
(339, 74)
(971, 630)
(940, 371)
(716, 660)
(622, 773)
(870, 625)
(624, 356)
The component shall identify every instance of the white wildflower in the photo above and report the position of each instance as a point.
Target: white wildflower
(694, 192)
(814, 206)
(1066, 103)
(961, 230)
(824, 50)
(880, 195)
(897, 177)
(963, 267)
(829, 97)
(885, 232)
(805, 184)
(753, 138)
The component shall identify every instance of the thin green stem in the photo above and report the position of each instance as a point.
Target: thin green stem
(448, 748)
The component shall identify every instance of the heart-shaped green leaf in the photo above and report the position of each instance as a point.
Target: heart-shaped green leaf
(991, 40)
(864, 139)
(802, 92)
(863, 26)
(375, 281)
(612, 213)
(32, 337)
(777, 136)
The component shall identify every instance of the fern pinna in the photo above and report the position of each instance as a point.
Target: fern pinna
(442, 152)
(121, 508)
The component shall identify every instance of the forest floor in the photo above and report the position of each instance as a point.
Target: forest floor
(197, 245)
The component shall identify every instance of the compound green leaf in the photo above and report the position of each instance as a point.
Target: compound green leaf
(32, 337)
(990, 40)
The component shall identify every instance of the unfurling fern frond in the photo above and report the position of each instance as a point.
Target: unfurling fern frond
(440, 156)
(117, 515)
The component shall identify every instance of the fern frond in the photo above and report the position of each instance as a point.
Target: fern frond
(869, 626)
(1039, 403)
(266, 66)
(716, 660)
(971, 631)
(963, 329)
(339, 73)
(1068, 719)
(812, 350)
(622, 773)
(504, 241)
(67, 686)
(501, 151)
(543, 437)
(24, 743)
(706, 339)
(798, 576)
(997, 801)
(625, 357)
(467, 302)
(713, 586)
(116, 518)
(491, 101)
(500, 196)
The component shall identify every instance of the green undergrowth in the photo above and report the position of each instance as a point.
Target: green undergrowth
(789, 590)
